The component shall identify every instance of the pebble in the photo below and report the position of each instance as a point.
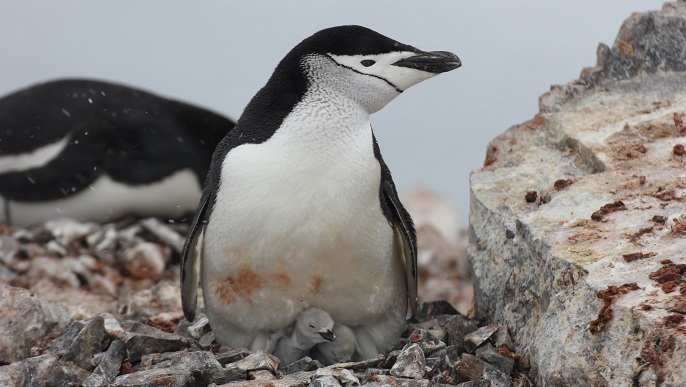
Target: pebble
(207, 340)
(304, 364)
(108, 365)
(489, 355)
(502, 339)
(428, 342)
(324, 381)
(259, 360)
(8, 248)
(496, 376)
(469, 367)
(155, 377)
(474, 340)
(410, 364)
(162, 233)
(227, 355)
(80, 342)
(199, 328)
(66, 231)
(146, 260)
(142, 339)
(457, 327)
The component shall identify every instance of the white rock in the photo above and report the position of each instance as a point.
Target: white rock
(146, 260)
(67, 230)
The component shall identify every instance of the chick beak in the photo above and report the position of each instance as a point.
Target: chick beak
(327, 334)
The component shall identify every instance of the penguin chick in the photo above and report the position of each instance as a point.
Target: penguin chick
(313, 326)
(340, 350)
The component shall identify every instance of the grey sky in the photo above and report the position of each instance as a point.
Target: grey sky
(217, 54)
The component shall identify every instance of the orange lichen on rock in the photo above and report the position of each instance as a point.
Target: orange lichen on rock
(677, 304)
(666, 194)
(584, 237)
(634, 256)
(562, 183)
(673, 320)
(678, 227)
(609, 295)
(491, 155)
(609, 208)
(679, 122)
(669, 272)
(531, 196)
(670, 276)
(638, 234)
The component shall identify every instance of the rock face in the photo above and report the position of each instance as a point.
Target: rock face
(578, 218)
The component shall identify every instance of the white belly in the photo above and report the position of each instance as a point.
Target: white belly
(295, 227)
(107, 200)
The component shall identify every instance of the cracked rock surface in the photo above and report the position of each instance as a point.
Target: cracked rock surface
(578, 218)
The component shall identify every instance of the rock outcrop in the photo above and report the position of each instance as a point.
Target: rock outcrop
(578, 218)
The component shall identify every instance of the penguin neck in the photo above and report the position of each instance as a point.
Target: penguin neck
(299, 341)
(327, 121)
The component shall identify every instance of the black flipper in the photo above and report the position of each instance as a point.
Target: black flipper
(403, 228)
(191, 257)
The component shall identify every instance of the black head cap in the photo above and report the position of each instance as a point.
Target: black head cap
(349, 40)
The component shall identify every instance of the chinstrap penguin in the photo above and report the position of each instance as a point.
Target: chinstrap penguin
(299, 209)
(96, 151)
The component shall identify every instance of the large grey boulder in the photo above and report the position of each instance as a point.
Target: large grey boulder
(578, 218)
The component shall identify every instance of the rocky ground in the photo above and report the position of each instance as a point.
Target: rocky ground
(95, 305)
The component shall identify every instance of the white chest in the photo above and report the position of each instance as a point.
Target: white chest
(317, 174)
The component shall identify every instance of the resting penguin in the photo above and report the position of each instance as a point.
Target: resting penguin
(96, 151)
(299, 209)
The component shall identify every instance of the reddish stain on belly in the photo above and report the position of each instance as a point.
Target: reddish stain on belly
(316, 284)
(224, 294)
(282, 279)
(242, 285)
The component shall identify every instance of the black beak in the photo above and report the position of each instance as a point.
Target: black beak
(432, 61)
(327, 335)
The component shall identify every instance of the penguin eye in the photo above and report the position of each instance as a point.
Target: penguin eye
(311, 326)
(367, 62)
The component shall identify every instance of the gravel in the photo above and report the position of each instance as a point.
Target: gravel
(99, 305)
